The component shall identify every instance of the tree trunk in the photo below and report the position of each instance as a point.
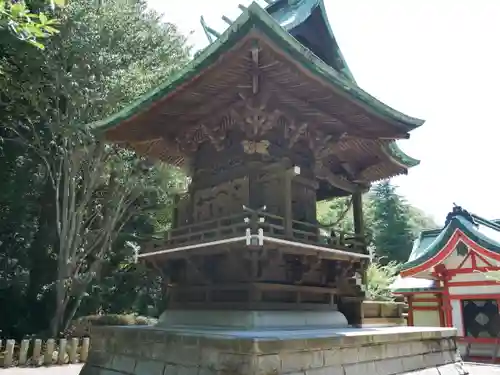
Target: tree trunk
(61, 303)
(42, 267)
(73, 311)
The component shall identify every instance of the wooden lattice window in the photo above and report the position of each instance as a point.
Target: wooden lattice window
(480, 318)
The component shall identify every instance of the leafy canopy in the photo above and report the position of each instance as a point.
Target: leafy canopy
(18, 19)
(105, 55)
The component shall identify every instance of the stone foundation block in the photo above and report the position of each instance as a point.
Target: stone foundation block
(383, 351)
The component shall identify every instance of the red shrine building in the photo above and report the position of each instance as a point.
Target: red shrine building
(449, 280)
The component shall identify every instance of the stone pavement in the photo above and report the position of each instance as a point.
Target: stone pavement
(474, 369)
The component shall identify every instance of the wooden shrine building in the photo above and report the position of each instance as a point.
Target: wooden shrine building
(448, 282)
(266, 121)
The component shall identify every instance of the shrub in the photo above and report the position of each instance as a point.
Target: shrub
(379, 279)
(81, 326)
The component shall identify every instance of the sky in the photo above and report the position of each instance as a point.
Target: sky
(438, 60)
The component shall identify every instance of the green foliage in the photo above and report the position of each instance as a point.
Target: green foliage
(18, 19)
(392, 232)
(116, 320)
(379, 278)
(336, 213)
(391, 224)
(104, 56)
(81, 327)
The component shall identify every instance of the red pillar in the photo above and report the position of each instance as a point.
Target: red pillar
(410, 321)
(441, 310)
(448, 320)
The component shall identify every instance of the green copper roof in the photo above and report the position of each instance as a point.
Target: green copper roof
(399, 157)
(484, 232)
(291, 14)
(254, 17)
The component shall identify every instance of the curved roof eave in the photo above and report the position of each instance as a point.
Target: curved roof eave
(460, 223)
(398, 156)
(431, 250)
(255, 16)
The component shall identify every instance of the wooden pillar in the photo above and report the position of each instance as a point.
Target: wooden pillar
(441, 311)
(447, 303)
(357, 213)
(288, 204)
(410, 321)
(357, 210)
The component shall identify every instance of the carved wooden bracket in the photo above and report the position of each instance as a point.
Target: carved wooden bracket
(324, 173)
(253, 119)
(323, 145)
(293, 132)
(216, 136)
(253, 147)
(188, 142)
(190, 139)
(320, 143)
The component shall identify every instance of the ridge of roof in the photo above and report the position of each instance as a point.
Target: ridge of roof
(493, 224)
(302, 9)
(256, 17)
(438, 238)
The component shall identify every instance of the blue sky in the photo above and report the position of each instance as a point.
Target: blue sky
(436, 60)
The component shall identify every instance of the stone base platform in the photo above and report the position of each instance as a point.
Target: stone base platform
(341, 351)
(252, 320)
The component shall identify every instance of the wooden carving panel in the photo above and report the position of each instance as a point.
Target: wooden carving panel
(303, 203)
(270, 194)
(222, 200)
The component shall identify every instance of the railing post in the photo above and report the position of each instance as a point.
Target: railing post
(49, 352)
(73, 350)
(84, 352)
(23, 352)
(62, 351)
(8, 358)
(37, 351)
(253, 221)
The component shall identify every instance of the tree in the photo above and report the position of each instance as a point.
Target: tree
(123, 286)
(386, 217)
(379, 278)
(336, 213)
(391, 225)
(392, 234)
(105, 56)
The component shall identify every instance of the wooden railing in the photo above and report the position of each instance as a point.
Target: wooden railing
(272, 225)
(335, 238)
(212, 230)
(37, 352)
